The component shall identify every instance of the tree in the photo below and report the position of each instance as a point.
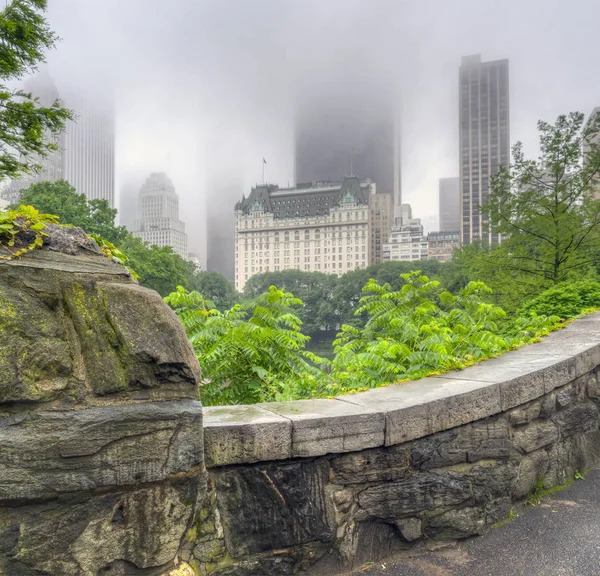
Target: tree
(60, 198)
(158, 268)
(314, 289)
(545, 208)
(28, 130)
(213, 287)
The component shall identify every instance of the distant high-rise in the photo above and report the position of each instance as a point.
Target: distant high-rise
(220, 242)
(159, 222)
(89, 149)
(349, 128)
(86, 148)
(449, 204)
(484, 142)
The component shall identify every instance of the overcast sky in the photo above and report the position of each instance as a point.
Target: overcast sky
(204, 88)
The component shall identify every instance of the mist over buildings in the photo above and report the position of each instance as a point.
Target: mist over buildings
(203, 90)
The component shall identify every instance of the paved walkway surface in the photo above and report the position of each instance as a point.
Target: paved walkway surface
(559, 537)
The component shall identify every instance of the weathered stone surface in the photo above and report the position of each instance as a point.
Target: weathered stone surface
(101, 466)
(535, 436)
(410, 528)
(245, 434)
(266, 507)
(368, 542)
(456, 524)
(377, 465)
(66, 451)
(422, 407)
(417, 493)
(524, 414)
(95, 534)
(532, 467)
(577, 418)
(330, 426)
(488, 439)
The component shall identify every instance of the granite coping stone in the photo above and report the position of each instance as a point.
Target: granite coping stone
(400, 413)
(323, 426)
(245, 434)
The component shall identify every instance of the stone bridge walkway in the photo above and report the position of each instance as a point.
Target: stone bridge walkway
(559, 537)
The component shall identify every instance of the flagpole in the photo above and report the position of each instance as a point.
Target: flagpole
(263, 171)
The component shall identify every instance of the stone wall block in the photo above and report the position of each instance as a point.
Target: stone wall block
(268, 506)
(245, 434)
(577, 418)
(531, 467)
(535, 436)
(375, 465)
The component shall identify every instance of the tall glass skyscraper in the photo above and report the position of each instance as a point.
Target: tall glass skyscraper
(484, 140)
(86, 154)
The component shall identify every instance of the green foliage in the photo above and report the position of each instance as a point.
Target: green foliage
(256, 352)
(28, 129)
(94, 216)
(253, 352)
(22, 230)
(545, 208)
(416, 331)
(213, 287)
(565, 300)
(158, 267)
(113, 253)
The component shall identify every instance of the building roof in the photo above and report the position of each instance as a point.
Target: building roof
(306, 199)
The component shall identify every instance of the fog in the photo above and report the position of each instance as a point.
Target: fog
(205, 89)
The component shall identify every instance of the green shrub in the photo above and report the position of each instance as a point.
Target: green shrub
(253, 352)
(565, 300)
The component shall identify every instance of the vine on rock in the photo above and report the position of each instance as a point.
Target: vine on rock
(22, 230)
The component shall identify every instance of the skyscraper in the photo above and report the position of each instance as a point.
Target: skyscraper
(449, 204)
(484, 141)
(86, 148)
(159, 222)
(89, 149)
(348, 128)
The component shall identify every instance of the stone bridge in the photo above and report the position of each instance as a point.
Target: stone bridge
(109, 466)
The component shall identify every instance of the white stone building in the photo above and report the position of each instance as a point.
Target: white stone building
(159, 222)
(406, 241)
(320, 227)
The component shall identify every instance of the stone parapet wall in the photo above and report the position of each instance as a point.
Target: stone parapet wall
(322, 485)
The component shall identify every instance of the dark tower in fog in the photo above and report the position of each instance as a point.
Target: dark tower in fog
(345, 128)
(484, 139)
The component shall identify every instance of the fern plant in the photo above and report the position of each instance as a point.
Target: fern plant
(415, 331)
(253, 352)
(22, 230)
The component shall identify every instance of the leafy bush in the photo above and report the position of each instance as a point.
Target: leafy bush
(253, 352)
(409, 335)
(22, 230)
(565, 300)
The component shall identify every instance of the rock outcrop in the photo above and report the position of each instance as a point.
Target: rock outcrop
(101, 441)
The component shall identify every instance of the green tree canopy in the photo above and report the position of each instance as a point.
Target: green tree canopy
(28, 129)
(545, 208)
(158, 268)
(60, 198)
(213, 286)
